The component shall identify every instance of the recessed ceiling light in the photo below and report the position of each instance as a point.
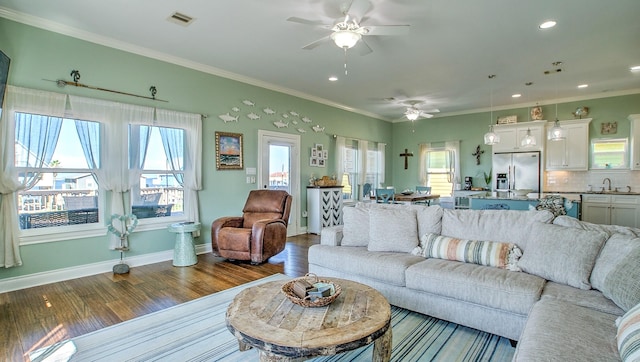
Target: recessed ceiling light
(635, 68)
(180, 19)
(547, 24)
(333, 78)
(517, 95)
(583, 86)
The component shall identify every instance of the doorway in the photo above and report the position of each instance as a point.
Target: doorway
(279, 169)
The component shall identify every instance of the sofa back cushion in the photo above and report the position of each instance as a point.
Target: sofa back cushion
(429, 217)
(356, 226)
(508, 226)
(628, 335)
(489, 253)
(393, 229)
(560, 254)
(584, 225)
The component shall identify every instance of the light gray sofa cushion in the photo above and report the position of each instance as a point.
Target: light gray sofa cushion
(386, 267)
(561, 254)
(356, 226)
(429, 219)
(561, 331)
(331, 235)
(584, 225)
(393, 229)
(591, 298)
(492, 225)
(483, 285)
(617, 270)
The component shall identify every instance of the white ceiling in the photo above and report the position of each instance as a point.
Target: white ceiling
(444, 61)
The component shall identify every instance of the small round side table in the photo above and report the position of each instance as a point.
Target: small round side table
(184, 252)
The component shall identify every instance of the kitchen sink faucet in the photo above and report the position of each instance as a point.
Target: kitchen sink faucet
(605, 181)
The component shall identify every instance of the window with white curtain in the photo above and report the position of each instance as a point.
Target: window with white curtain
(71, 161)
(157, 154)
(360, 163)
(439, 166)
(58, 178)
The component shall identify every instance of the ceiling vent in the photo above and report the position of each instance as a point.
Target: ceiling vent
(181, 19)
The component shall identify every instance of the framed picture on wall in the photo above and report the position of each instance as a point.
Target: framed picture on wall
(313, 161)
(229, 151)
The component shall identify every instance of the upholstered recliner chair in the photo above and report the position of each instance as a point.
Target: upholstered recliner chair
(259, 233)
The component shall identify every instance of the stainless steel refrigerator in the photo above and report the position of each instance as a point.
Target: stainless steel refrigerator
(522, 171)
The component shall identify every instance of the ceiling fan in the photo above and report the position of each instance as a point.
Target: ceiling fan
(347, 32)
(413, 111)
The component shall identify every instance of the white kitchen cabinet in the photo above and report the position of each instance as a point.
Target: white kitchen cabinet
(623, 210)
(511, 136)
(324, 207)
(572, 153)
(635, 141)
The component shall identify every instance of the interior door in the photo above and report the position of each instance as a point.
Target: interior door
(279, 169)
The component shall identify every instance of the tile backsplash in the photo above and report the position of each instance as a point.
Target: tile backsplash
(578, 181)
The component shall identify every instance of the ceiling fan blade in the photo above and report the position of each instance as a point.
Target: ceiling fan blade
(319, 23)
(316, 43)
(387, 29)
(363, 48)
(426, 115)
(358, 8)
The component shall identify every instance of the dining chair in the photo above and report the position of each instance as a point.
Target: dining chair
(366, 190)
(385, 196)
(423, 190)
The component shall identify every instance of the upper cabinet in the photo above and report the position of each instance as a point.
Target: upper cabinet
(511, 136)
(572, 153)
(635, 141)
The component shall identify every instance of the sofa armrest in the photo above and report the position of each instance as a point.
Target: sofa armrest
(331, 236)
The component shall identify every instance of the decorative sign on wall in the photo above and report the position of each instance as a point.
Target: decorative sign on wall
(508, 119)
(318, 156)
(609, 128)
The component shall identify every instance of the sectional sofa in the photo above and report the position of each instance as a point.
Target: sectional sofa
(557, 286)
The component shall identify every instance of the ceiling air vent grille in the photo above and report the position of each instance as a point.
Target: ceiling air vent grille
(180, 18)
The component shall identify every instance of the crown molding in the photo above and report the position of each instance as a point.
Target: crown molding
(153, 54)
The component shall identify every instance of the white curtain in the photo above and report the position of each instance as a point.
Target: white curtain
(114, 175)
(454, 165)
(363, 150)
(339, 155)
(192, 124)
(422, 165)
(381, 161)
(28, 101)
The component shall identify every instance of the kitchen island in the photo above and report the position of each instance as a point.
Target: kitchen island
(493, 201)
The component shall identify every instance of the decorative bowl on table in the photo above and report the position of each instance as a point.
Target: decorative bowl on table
(522, 192)
(407, 192)
(324, 291)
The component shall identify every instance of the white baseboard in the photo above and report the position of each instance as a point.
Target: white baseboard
(58, 275)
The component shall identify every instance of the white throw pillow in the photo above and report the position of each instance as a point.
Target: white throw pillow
(356, 226)
(393, 229)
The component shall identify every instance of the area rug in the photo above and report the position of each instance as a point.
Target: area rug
(196, 331)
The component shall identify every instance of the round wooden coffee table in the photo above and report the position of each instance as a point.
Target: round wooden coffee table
(263, 317)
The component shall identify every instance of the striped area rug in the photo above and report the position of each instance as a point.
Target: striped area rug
(196, 331)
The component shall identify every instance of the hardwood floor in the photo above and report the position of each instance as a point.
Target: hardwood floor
(36, 317)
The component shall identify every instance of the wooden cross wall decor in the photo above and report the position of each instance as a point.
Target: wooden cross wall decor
(477, 154)
(406, 156)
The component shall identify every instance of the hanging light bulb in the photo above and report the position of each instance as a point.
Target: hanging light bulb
(556, 133)
(491, 138)
(529, 140)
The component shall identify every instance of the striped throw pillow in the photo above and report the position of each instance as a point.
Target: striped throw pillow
(489, 253)
(628, 336)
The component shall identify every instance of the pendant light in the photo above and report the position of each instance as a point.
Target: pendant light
(556, 133)
(529, 140)
(491, 138)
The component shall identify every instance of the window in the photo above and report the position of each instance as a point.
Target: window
(56, 159)
(439, 167)
(157, 154)
(362, 162)
(609, 153)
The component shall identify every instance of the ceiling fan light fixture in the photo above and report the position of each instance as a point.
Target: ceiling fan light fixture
(412, 114)
(345, 39)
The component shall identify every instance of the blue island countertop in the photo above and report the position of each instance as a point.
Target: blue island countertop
(493, 201)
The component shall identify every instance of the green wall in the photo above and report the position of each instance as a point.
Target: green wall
(37, 54)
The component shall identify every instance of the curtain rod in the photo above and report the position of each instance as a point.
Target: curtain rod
(61, 83)
(357, 139)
